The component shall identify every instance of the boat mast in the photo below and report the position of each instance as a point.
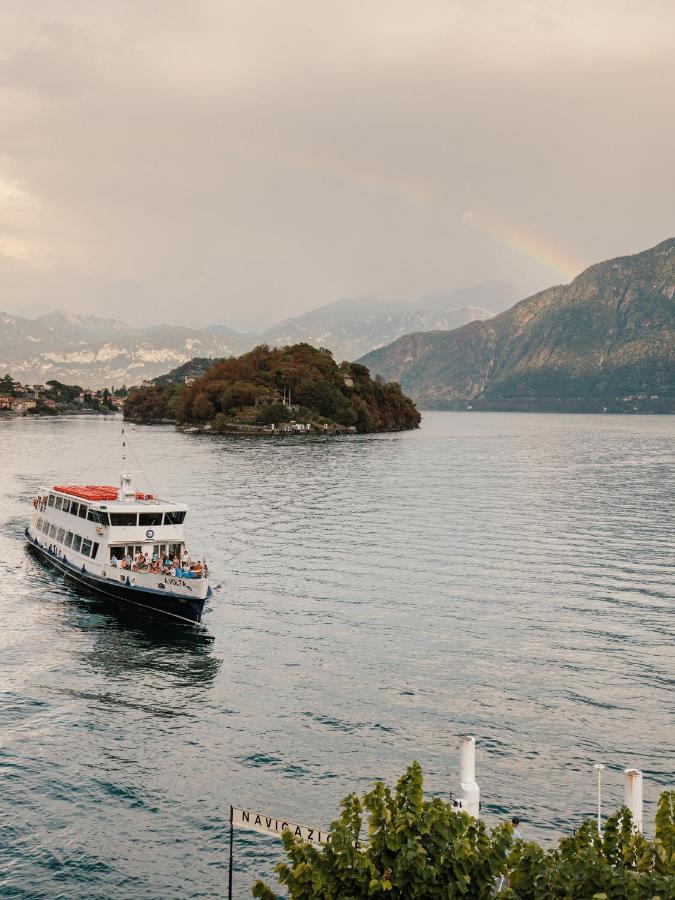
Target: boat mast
(127, 491)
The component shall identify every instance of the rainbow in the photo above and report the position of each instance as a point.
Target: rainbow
(527, 244)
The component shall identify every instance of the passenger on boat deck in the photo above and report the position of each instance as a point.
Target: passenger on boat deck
(113, 561)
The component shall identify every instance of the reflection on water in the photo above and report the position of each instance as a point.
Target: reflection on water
(126, 644)
(506, 575)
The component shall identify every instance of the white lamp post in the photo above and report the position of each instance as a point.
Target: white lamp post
(598, 768)
(470, 792)
(633, 796)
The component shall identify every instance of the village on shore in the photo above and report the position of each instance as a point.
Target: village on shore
(55, 398)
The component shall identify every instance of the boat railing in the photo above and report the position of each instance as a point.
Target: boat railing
(117, 572)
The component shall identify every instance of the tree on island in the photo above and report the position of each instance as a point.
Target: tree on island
(426, 849)
(273, 414)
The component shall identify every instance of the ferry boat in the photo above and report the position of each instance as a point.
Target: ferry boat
(123, 543)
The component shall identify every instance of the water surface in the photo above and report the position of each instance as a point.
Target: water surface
(506, 575)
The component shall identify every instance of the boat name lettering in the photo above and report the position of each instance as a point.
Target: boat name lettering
(177, 581)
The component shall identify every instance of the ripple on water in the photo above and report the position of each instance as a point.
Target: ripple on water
(509, 576)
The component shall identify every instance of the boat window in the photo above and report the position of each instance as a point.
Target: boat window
(58, 503)
(50, 502)
(52, 531)
(69, 539)
(94, 551)
(175, 550)
(66, 505)
(39, 524)
(174, 518)
(100, 518)
(45, 527)
(82, 513)
(154, 518)
(59, 535)
(74, 507)
(77, 543)
(86, 547)
(127, 519)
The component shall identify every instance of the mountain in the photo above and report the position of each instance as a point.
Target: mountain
(93, 351)
(352, 327)
(605, 340)
(493, 296)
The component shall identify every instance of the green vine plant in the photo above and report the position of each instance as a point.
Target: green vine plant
(417, 848)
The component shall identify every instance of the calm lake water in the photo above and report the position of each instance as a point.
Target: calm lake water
(512, 576)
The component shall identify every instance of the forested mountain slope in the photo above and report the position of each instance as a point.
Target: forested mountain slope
(605, 340)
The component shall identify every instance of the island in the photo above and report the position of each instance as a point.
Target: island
(271, 391)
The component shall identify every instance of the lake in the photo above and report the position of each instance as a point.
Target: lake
(507, 575)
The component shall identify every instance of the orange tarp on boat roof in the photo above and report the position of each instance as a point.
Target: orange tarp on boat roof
(97, 492)
(88, 491)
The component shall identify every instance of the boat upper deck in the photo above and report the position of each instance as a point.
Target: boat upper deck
(103, 496)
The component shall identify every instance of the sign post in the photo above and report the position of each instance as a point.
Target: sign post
(229, 880)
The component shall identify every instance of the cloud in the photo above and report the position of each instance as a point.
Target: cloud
(240, 162)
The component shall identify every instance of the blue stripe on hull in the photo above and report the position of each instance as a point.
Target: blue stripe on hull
(183, 608)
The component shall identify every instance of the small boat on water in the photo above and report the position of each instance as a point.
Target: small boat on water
(123, 543)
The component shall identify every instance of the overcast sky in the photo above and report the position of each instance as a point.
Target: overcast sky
(240, 162)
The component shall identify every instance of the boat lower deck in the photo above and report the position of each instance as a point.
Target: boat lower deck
(186, 609)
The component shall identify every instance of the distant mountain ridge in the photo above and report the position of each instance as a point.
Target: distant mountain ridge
(352, 327)
(606, 340)
(93, 351)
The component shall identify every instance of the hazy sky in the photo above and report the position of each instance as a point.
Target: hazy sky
(239, 162)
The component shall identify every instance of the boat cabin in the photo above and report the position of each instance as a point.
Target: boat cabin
(91, 521)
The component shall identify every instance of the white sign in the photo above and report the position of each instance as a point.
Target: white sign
(264, 824)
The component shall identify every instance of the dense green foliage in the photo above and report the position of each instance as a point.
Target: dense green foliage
(605, 340)
(6, 386)
(425, 849)
(194, 368)
(413, 849)
(66, 396)
(250, 387)
(617, 864)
